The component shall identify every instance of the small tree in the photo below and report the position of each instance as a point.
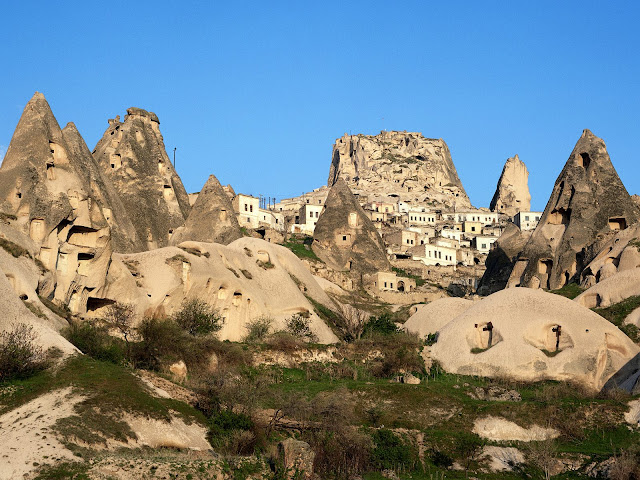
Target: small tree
(299, 326)
(121, 316)
(20, 355)
(258, 329)
(543, 456)
(197, 317)
(355, 321)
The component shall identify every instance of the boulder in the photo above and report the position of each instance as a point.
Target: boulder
(512, 192)
(588, 205)
(499, 429)
(514, 333)
(614, 288)
(404, 165)
(430, 318)
(296, 457)
(211, 220)
(132, 157)
(179, 371)
(344, 237)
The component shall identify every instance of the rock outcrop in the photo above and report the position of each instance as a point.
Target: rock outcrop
(514, 333)
(212, 218)
(430, 318)
(502, 258)
(58, 198)
(588, 205)
(344, 237)
(402, 164)
(132, 157)
(512, 193)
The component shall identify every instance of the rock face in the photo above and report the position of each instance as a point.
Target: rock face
(211, 219)
(407, 165)
(512, 193)
(588, 205)
(502, 258)
(132, 157)
(57, 194)
(522, 342)
(345, 238)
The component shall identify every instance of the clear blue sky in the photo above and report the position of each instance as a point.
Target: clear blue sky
(257, 92)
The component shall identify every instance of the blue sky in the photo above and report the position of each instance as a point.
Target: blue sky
(257, 92)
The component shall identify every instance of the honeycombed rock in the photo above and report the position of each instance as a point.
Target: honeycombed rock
(345, 238)
(403, 164)
(588, 205)
(132, 156)
(211, 219)
(512, 193)
(59, 199)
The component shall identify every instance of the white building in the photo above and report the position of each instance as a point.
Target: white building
(247, 209)
(453, 234)
(485, 218)
(420, 217)
(435, 255)
(483, 243)
(527, 220)
(271, 219)
(307, 219)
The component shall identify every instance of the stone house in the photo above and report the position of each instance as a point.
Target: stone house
(389, 281)
(430, 254)
(247, 209)
(483, 244)
(307, 219)
(271, 219)
(474, 228)
(527, 220)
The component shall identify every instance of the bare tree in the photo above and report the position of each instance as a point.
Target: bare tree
(354, 321)
(121, 316)
(543, 456)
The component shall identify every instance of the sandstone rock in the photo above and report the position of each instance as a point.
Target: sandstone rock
(512, 193)
(499, 430)
(501, 260)
(614, 288)
(296, 457)
(524, 345)
(345, 238)
(588, 205)
(632, 417)
(53, 187)
(621, 252)
(495, 394)
(211, 219)
(407, 378)
(132, 157)
(179, 371)
(502, 459)
(636, 200)
(430, 318)
(406, 165)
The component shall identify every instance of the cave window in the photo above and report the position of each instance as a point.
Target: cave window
(51, 172)
(19, 195)
(617, 223)
(584, 160)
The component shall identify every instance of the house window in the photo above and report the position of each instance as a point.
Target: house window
(391, 285)
(317, 214)
(344, 238)
(484, 245)
(473, 229)
(526, 217)
(251, 208)
(385, 284)
(246, 207)
(248, 220)
(310, 214)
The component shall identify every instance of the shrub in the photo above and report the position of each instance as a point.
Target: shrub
(391, 451)
(161, 339)
(20, 355)
(342, 454)
(94, 341)
(197, 317)
(299, 326)
(121, 317)
(381, 325)
(258, 329)
(284, 342)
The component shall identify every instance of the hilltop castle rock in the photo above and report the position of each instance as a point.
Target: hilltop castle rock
(345, 238)
(211, 219)
(56, 194)
(132, 157)
(588, 205)
(401, 164)
(512, 193)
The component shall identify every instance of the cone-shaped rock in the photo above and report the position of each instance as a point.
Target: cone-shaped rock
(345, 238)
(588, 205)
(132, 156)
(512, 193)
(58, 198)
(211, 219)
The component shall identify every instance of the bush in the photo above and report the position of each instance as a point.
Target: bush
(258, 329)
(342, 454)
(161, 339)
(197, 317)
(20, 355)
(95, 341)
(299, 326)
(392, 452)
(380, 325)
(284, 342)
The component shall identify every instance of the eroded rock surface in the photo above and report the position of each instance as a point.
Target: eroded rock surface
(512, 193)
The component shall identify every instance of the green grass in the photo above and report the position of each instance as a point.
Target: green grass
(570, 290)
(403, 273)
(301, 246)
(618, 312)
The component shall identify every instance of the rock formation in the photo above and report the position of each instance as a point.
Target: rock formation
(405, 165)
(211, 219)
(132, 156)
(58, 197)
(244, 280)
(512, 193)
(502, 258)
(430, 318)
(636, 200)
(587, 206)
(345, 238)
(514, 333)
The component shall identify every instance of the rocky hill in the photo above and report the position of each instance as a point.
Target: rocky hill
(512, 193)
(401, 164)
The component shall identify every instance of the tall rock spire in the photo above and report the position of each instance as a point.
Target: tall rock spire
(512, 192)
(588, 205)
(132, 157)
